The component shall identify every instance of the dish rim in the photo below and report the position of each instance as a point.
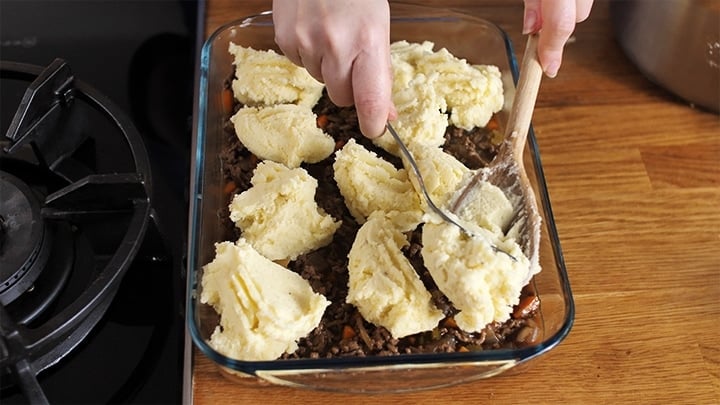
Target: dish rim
(516, 355)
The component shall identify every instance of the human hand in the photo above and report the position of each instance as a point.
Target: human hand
(555, 21)
(346, 45)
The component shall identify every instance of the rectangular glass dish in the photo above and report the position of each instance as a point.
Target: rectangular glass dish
(468, 37)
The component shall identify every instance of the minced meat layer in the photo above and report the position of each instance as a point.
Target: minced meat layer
(343, 331)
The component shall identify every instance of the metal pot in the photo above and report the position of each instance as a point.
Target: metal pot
(675, 43)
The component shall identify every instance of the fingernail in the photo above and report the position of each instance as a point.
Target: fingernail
(552, 69)
(393, 113)
(529, 22)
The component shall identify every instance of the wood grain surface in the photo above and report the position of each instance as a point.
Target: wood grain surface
(634, 179)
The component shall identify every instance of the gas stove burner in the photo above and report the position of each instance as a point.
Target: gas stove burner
(2, 232)
(26, 241)
(75, 207)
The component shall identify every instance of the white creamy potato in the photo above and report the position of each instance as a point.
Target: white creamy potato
(278, 215)
(473, 93)
(283, 133)
(421, 115)
(432, 89)
(369, 183)
(268, 78)
(442, 174)
(383, 285)
(484, 284)
(264, 308)
(485, 205)
(404, 57)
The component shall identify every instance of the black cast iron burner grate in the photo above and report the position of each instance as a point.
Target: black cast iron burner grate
(74, 209)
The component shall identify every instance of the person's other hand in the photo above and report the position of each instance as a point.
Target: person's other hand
(346, 45)
(555, 21)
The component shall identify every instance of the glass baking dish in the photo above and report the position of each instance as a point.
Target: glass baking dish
(474, 39)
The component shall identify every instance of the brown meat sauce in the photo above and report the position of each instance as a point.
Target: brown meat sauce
(343, 331)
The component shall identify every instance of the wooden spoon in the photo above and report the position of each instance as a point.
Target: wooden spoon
(507, 169)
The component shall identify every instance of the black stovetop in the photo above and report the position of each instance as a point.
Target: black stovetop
(141, 54)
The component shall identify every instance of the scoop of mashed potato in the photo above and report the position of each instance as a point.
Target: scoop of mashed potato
(268, 78)
(264, 308)
(405, 57)
(483, 282)
(442, 173)
(278, 215)
(433, 88)
(383, 285)
(485, 205)
(284, 133)
(421, 115)
(473, 93)
(369, 183)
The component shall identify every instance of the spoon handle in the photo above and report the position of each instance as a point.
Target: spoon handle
(526, 92)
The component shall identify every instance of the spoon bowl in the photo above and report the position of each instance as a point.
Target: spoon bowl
(507, 170)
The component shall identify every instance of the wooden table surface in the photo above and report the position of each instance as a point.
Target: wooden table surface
(634, 180)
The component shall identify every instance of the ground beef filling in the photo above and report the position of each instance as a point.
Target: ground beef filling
(343, 331)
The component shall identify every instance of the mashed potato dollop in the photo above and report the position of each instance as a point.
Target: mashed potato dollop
(264, 308)
(369, 183)
(284, 133)
(482, 282)
(383, 285)
(278, 215)
(268, 78)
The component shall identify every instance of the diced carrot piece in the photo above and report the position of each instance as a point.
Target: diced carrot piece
(493, 124)
(322, 121)
(527, 305)
(348, 332)
(450, 322)
(227, 101)
(230, 186)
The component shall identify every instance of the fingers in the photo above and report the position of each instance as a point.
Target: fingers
(531, 17)
(362, 79)
(287, 33)
(558, 23)
(346, 45)
(555, 20)
(582, 10)
(313, 41)
(311, 63)
(371, 82)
